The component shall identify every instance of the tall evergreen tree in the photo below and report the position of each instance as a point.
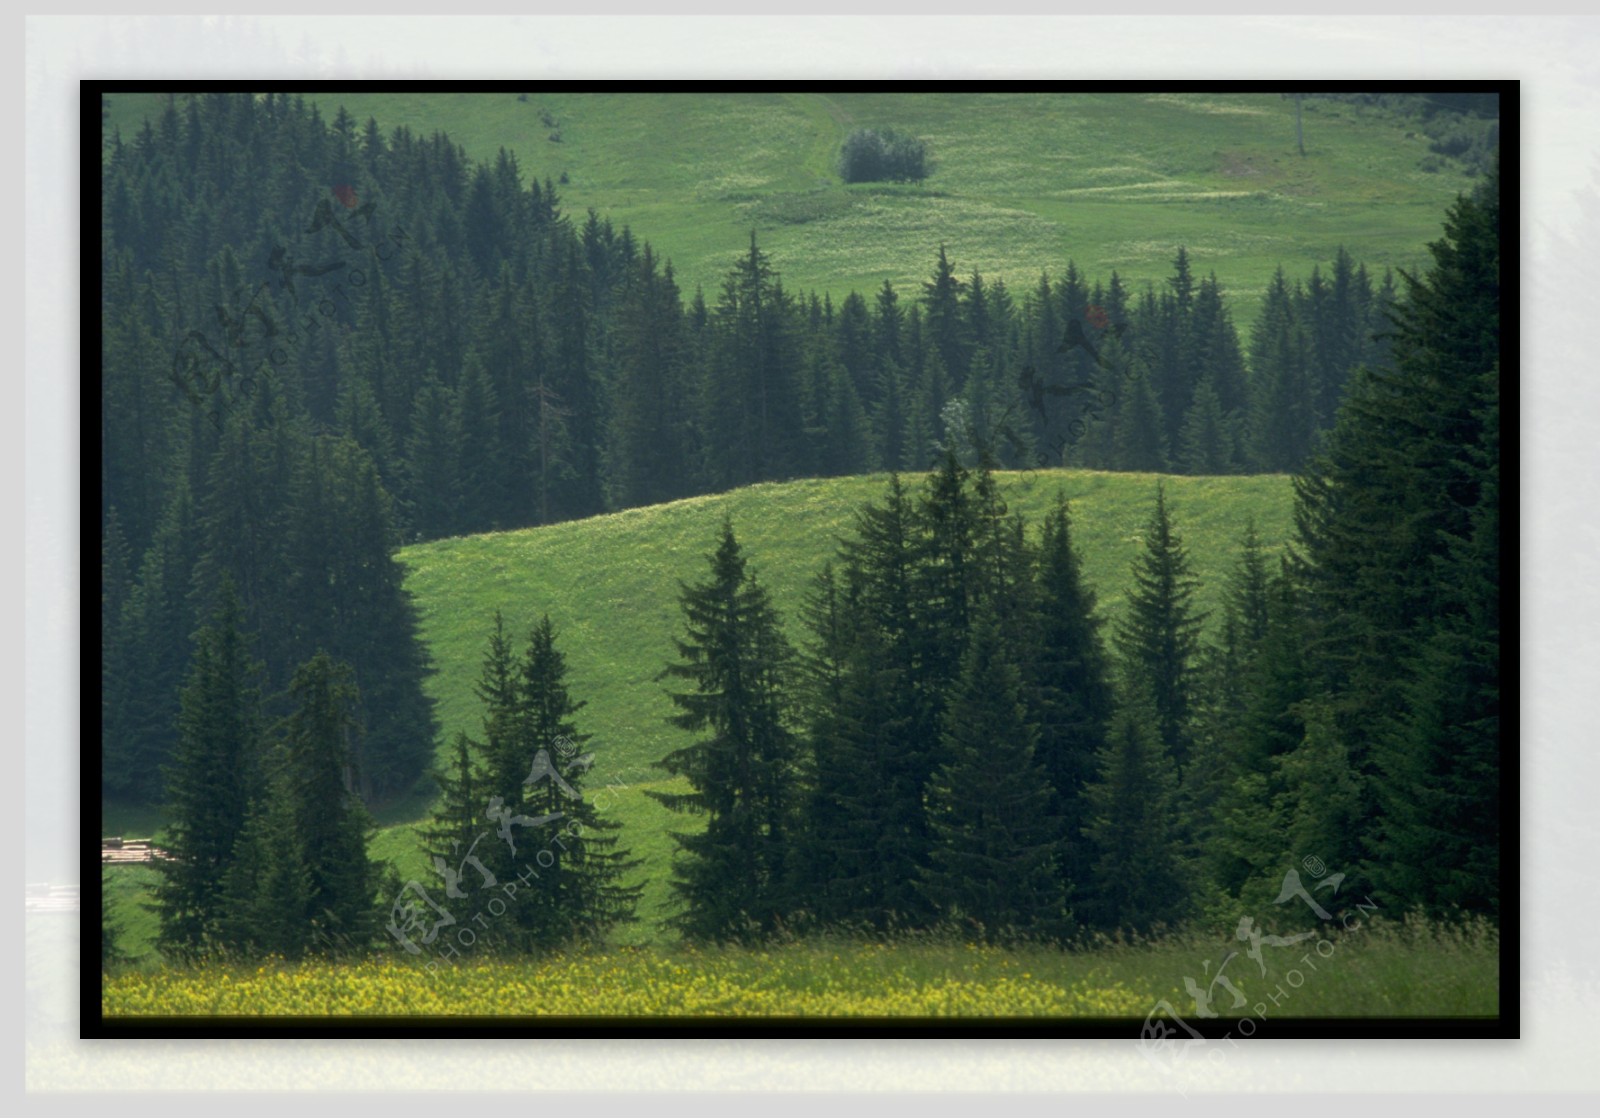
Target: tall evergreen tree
(1283, 405)
(215, 771)
(1400, 579)
(329, 819)
(943, 320)
(1141, 440)
(579, 892)
(1207, 441)
(731, 877)
(1438, 840)
(873, 748)
(1160, 634)
(1070, 675)
(1138, 884)
(994, 847)
(266, 889)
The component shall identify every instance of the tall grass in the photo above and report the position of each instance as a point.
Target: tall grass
(1384, 968)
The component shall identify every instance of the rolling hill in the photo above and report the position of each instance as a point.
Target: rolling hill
(610, 586)
(1022, 181)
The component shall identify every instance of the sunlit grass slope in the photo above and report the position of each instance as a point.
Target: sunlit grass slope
(1022, 181)
(610, 585)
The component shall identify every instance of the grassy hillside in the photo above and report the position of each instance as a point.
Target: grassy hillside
(1022, 181)
(610, 586)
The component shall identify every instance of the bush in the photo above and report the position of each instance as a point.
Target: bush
(870, 156)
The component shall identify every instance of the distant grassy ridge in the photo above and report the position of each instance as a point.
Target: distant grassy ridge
(1021, 182)
(610, 585)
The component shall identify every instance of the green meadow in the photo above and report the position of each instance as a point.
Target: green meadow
(1021, 183)
(610, 587)
(1369, 967)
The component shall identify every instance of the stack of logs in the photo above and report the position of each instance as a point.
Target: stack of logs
(118, 851)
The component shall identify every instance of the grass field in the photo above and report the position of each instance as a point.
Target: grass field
(610, 587)
(1369, 968)
(1022, 181)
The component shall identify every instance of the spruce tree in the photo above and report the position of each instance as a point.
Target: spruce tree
(992, 860)
(890, 417)
(941, 296)
(1223, 686)
(850, 446)
(214, 773)
(731, 878)
(458, 839)
(1159, 637)
(329, 819)
(1282, 400)
(872, 756)
(267, 888)
(1437, 843)
(1207, 440)
(1138, 884)
(429, 480)
(112, 930)
(579, 890)
(945, 583)
(1140, 435)
(865, 820)
(1070, 674)
(1400, 579)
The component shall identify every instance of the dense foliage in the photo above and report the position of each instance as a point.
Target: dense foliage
(320, 340)
(870, 155)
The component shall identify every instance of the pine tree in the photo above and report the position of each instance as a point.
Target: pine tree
(329, 819)
(828, 613)
(579, 892)
(864, 838)
(1215, 345)
(852, 334)
(1282, 399)
(1230, 672)
(849, 447)
(214, 773)
(925, 430)
(112, 930)
(429, 481)
(944, 583)
(890, 417)
(1320, 796)
(1141, 440)
(267, 888)
(458, 839)
(1438, 840)
(942, 299)
(731, 877)
(1400, 580)
(866, 818)
(1070, 675)
(153, 649)
(887, 327)
(992, 860)
(1207, 441)
(1137, 879)
(1159, 636)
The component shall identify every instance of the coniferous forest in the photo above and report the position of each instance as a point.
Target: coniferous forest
(324, 340)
